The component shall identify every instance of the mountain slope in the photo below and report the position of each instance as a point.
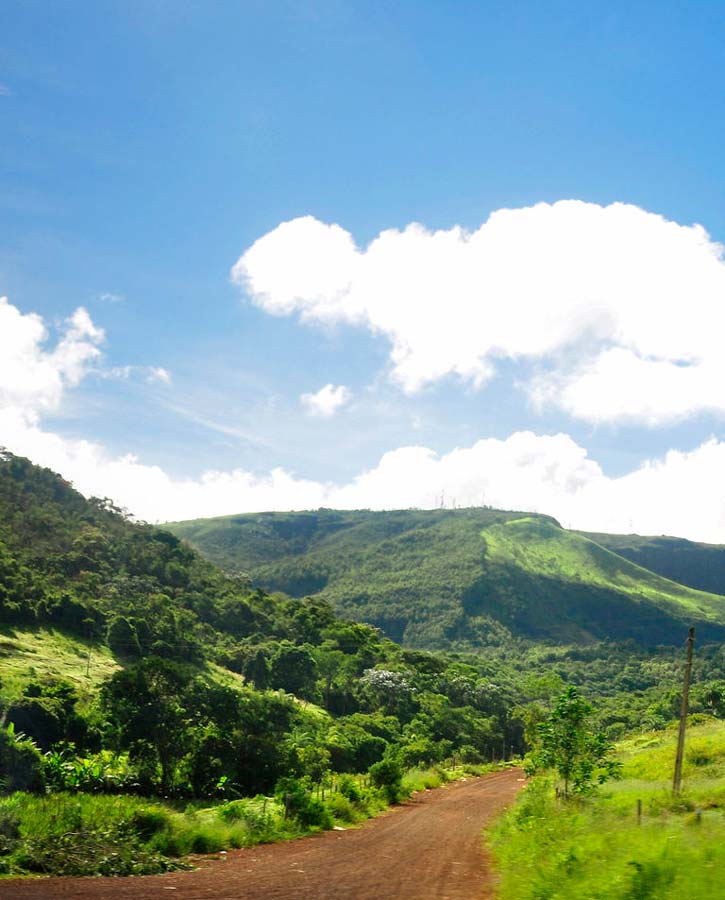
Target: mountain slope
(460, 578)
(701, 566)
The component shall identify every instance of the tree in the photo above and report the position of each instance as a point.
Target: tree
(294, 670)
(388, 775)
(580, 756)
(387, 690)
(256, 669)
(329, 662)
(146, 703)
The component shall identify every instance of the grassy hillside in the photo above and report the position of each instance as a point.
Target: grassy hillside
(130, 664)
(132, 661)
(46, 653)
(700, 566)
(598, 849)
(457, 578)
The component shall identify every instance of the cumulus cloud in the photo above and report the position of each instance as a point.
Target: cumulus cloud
(32, 377)
(326, 402)
(620, 385)
(574, 286)
(677, 494)
(680, 493)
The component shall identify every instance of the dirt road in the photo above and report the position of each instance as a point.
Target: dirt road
(427, 849)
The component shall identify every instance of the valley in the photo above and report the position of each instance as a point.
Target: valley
(167, 694)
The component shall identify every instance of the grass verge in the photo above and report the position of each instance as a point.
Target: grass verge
(91, 834)
(600, 849)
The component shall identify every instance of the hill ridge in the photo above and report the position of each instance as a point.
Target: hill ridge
(438, 578)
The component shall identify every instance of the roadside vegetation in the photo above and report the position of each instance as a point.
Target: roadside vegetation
(600, 847)
(66, 833)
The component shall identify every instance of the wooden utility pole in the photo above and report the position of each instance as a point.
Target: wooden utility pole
(683, 715)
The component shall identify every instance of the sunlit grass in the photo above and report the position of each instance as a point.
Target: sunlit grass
(600, 849)
(543, 548)
(48, 653)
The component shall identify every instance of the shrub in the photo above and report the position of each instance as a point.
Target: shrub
(149, 821)
(341, 808)
(348, 787)
(232, 811)
(314, 814)
(255, 820)
(91, 853)
(21, 765)
(208, 840)
(9, 830)
(299, 803)
(388, 776)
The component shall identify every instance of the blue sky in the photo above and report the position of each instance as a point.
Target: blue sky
(149, 146)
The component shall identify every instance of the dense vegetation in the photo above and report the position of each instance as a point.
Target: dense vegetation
(459, 579)
(131, 668)
(599, 847)
(700, 566)
(180, 630)
(99, 834)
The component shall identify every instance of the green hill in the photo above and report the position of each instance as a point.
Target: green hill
(458, 578)
(119, 639)
(129, 663)
(701, 566)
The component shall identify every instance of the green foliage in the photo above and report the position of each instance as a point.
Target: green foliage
(597, 847)
(300, 804)
(566, 743)
(47, 712)
(144, 704)
(293, 669)
(136, 666)
(388, 776)
(349, 789)
(90, 853)
(21, 765)
(458, 579)
(699, 566)
(82, 835)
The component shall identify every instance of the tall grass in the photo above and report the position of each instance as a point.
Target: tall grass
(92, 834)
(600, 849)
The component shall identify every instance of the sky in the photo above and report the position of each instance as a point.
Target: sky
(284, 255)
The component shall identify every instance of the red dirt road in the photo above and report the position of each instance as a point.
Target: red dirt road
(427, 849)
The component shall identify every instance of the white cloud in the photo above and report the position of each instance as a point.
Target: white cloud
(122, 373)
(158, 374)
(620, 385)
(681, 493)
(326, 402)
(153, 374)
(33, 378)
(575, 285)
(5, 91)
